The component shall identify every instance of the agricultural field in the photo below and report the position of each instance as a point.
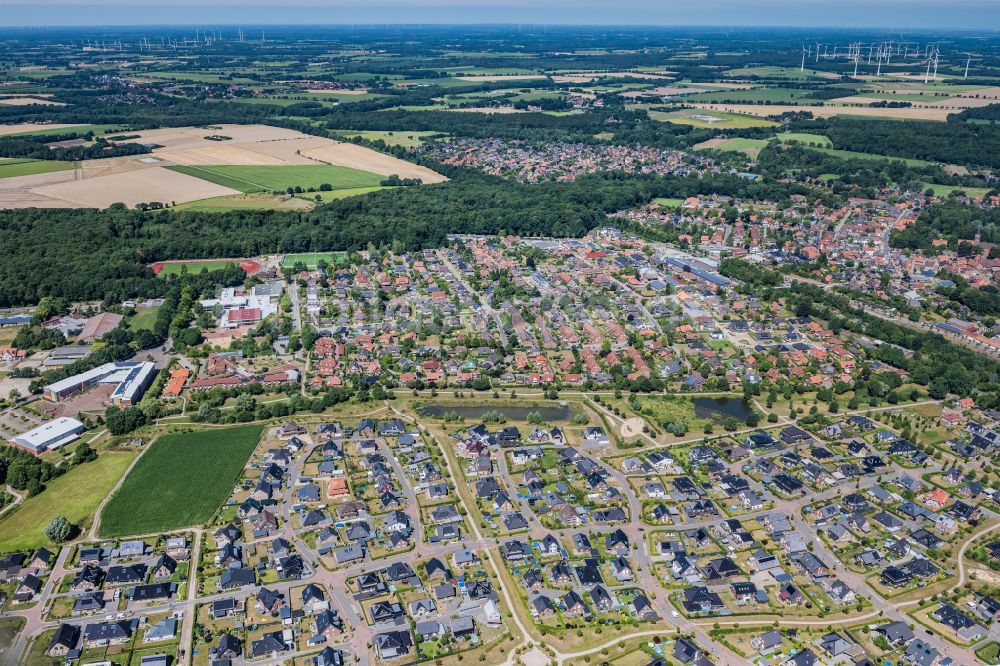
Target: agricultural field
(257, 201)
(75, 495)
(406, 139)
(714, 119)
(17, 167)
(182, 480)
(805, 138)
(749, 147)
(278, 178)
(334, 195)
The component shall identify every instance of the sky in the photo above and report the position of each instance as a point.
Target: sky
(933, 14)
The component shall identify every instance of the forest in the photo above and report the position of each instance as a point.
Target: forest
(953, 142)
(86, 254)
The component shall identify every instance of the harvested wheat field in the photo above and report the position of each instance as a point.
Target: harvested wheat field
(359, 157)
(829, 111)
(27, 101)
(142, 178)
(19, 191)
(6, 130)
(132, 187)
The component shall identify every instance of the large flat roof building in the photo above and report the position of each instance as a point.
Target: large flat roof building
(132, 379)
(50, 436)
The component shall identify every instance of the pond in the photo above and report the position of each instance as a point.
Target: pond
(470, 413)
(720, 409)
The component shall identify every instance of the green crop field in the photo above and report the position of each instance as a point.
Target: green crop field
(945, 190)
(12, 168)
(311, 259)
(279, 178)
(334, 195)
(806, 138)
(76, 495)
(852, 155)
(80, 129)
(182, 480)
(697, 117)
(774, 95)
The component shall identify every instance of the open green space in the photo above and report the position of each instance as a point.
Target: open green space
(76, 495)
(708, 118)
(852, 155)
(244, 202)
(989, 652)
(774, 95)
(946, 190)
(334, 195)
(80, 129)
(182, 480)
(193, 267)
(144, 318)
(791, 73)
(404, 138)
(311, 259)
(667, 202)
(279, 178)
(12, 168)
(751, 147)
(806, 138)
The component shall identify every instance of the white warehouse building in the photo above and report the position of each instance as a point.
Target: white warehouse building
(50, 436)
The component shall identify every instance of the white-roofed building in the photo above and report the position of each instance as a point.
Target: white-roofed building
(50, 436)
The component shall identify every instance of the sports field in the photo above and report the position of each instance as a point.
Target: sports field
(145, 318)
(76, 495)
(280, 178)
(311, 259)
(181, 481)
(19, 167)
(165, 268)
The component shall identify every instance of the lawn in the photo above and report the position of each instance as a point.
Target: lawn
(667, 202)
(32, 167)
(144, 318)
(76, 495)
(311, 259)
(279, 178)
(182, 480)
(989, 652)
(707, 118)
(193, 267)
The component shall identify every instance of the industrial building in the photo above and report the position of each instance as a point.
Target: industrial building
(132, 379)
(50, 436)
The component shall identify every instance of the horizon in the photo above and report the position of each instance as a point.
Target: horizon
(969, 15)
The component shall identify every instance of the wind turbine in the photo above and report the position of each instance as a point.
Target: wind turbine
(967, 61)
(802, 67)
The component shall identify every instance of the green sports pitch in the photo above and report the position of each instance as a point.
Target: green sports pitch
(280, 178)
(312, 259)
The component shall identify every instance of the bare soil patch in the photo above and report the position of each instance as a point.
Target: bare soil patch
(359, 157)
(132, 187)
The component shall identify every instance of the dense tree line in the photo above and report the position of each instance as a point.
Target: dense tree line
(87, 254)
(36, 147)
(957, 142)
(749, 274)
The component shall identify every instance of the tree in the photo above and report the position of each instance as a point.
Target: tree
(59, 529)
(123, 421)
